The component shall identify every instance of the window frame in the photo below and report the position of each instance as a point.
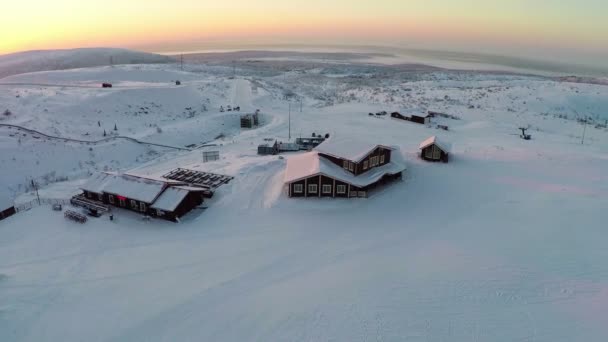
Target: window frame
(111, 199)
(341, 186)
(365, 164)
(298, 188)
(323, 187)
(381, 159)
(313, 186)
(345, 164)
(133, 204)
(142, 207)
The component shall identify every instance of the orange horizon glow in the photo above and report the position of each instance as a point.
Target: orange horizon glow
(37, 24)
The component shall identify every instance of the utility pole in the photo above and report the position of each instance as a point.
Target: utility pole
(584, 130)
(289, 121)
(36, 188)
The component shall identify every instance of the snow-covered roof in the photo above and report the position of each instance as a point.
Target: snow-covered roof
(98, 182)
(445, 146)
(350, 149)
(310, 164)
(132, 187)
(170, 198)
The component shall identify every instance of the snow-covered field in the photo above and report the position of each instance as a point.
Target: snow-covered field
(505, 243)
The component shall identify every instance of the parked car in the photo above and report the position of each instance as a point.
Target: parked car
(106, 85)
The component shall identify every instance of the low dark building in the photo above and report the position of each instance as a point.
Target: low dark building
(267, 149)
(432, 149)
(420, 119)
(414, 118)
(166, 199)
(7, 208)
(342, 168)
(398, 115)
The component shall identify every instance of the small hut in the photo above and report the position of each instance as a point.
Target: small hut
(433, 149)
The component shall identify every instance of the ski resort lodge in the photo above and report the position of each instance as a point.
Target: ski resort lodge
(169, 197)
(433, 149)
(342, 168)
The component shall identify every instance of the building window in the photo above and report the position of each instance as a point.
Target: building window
(351, 166)
(111, 199)
(88, 194)
(382, 159)
(121, 202)
(353, 194)
(100, 197)
(298, 188)
(341, 189)
(133, 204)
(327, 188)
(142, 207)
(312, 188)
(365, 164)
(160, 212)
(375, 159)
(345, 164)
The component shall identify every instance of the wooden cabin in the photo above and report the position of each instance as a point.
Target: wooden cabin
(342, 168)
(165, 199)
(433, 149)
(398, 115)
(423, 120)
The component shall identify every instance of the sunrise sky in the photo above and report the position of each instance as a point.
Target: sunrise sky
(573, 30)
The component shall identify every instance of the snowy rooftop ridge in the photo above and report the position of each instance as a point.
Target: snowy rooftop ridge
(350, 149)
(310, 164)
(445, 146)
(132, 187)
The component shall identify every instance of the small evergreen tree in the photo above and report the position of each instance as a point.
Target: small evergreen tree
(115, 128)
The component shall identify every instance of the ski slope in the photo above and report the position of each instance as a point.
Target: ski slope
(504, 243)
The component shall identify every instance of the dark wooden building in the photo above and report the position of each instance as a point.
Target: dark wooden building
(398, 115)
(165, 199)
(7, 208)
(423, 120)
(342, 168)
(433, 149)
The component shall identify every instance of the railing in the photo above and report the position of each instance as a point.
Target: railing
(43, 201)
(81, 201)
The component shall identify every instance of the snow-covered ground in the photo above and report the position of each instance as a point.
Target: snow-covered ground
(504, 243)
(43, 60)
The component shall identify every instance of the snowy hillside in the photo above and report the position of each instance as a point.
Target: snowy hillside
(504, 243)
(43, 60)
